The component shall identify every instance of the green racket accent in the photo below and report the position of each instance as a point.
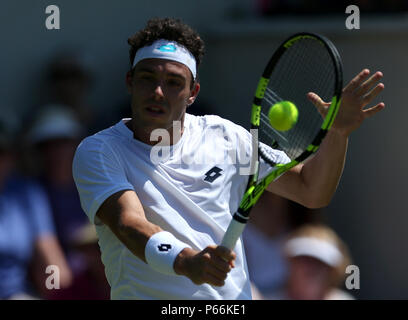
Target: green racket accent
(338, 103)
(247, 200)
(260, 89)
(252, 195)
(290, 43)
(331, 115)
(256, 115)
(256, 108)
(312, 148)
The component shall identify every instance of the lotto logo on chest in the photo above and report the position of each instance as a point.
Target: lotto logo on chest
(213, 174)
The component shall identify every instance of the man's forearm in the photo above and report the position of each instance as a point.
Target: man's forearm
(322, 173)
(124, 214)
(135, 233)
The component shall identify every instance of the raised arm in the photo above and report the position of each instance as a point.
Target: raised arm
(314, 183)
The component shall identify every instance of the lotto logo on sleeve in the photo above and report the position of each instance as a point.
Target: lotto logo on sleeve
(164, 247)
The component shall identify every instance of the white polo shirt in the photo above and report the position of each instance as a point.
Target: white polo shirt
(190, 189)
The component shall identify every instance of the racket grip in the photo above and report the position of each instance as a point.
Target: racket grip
(232, 234)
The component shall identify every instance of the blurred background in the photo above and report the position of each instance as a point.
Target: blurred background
(58, 86)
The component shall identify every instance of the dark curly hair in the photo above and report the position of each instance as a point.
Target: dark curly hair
(169, 29)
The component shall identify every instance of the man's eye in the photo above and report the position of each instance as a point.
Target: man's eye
(174, 82)
(146, 77)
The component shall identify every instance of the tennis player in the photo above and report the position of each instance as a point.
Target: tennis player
(159, 212)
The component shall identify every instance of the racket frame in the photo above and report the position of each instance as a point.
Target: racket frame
(255, 188)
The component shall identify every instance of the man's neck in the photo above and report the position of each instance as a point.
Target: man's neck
(145, 135)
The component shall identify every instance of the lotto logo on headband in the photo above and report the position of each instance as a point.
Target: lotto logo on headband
(169, 50)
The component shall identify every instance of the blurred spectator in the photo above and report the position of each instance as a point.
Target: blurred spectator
(272, 219)
(69, 83)
(90, 281)
(317, 260)
(26, 231)
(56, 133)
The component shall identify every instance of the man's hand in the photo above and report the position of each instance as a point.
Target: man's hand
(211, 265)
(358, 93)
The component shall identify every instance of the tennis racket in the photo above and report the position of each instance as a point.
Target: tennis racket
(303, 63)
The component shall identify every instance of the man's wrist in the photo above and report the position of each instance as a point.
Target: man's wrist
(180, 261)
(161, 251)
(338, 134)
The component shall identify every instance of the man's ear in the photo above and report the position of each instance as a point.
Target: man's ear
(128, 80)
(193, 93)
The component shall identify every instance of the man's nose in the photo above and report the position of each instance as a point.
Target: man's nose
(158, 90)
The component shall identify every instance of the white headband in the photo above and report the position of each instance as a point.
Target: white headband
(319, 249)
(170, 50)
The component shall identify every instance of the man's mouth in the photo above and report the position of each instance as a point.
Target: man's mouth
(155, 109)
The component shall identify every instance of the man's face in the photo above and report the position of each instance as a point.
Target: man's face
(160, 93)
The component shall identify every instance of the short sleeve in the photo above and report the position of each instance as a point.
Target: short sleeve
(98, 173)
(277, 156)
(244, 149)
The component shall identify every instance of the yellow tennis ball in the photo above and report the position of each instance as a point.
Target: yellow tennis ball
(283, 115)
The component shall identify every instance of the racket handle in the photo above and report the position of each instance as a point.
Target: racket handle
(232, 234)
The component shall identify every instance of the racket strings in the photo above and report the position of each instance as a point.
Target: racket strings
(305, 67)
